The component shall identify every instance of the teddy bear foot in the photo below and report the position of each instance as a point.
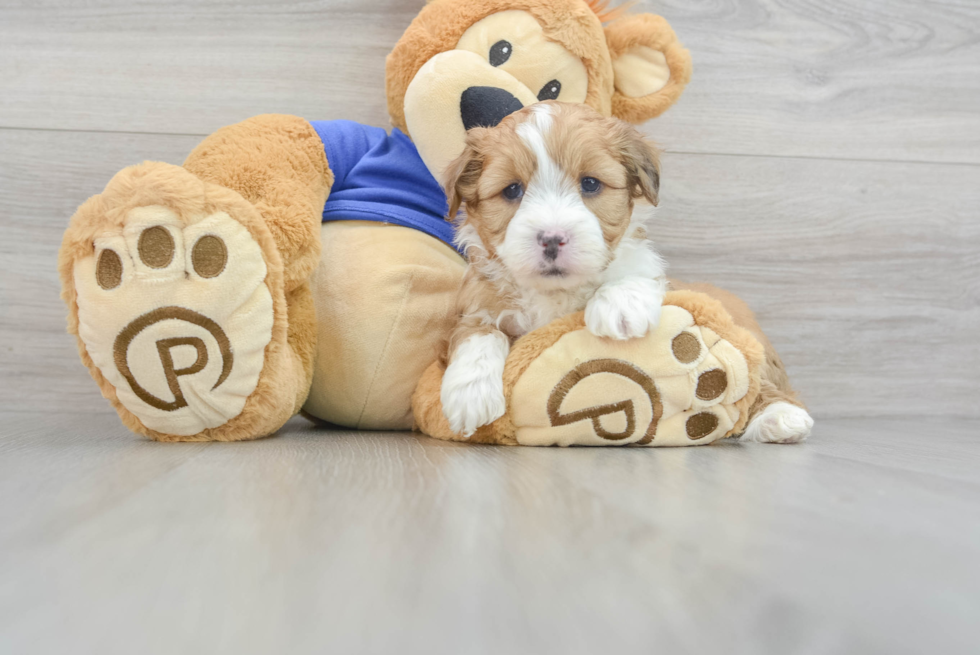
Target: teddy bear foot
(174, 287)
(689, 381)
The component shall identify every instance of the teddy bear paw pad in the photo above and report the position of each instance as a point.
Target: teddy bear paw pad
(176, 315)
(681, 384)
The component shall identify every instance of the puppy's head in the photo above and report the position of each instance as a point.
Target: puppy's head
(549, 192)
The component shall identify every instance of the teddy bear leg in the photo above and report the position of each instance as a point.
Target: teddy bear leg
(689, 381)
(385, 298)
(276, 163)
(189, 301)
(777, 415)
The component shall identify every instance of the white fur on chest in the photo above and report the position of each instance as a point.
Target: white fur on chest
(536, 309)
(530, 308)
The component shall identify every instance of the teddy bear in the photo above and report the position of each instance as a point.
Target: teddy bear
(303, 266)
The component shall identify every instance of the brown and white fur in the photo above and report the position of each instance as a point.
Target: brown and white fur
(557, 199)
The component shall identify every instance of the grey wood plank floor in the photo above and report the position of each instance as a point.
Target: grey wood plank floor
(864, 540)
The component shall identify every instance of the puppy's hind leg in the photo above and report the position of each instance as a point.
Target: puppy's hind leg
(778, 416)
(779, 422)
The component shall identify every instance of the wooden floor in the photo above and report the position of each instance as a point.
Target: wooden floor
(864, 540)
(824, 163)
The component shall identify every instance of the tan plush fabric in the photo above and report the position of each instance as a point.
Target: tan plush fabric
(689, 382)
(432, 103)
(384, 301)
(277, 163)
(534, 58)
(432, 100)
(641, 71)
(198, 352)
(441, 23)
(270, 159)
(775, 385)
(624, 36)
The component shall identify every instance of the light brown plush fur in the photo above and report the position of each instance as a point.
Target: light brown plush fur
(277, 163)
(268, 159)
(707, 311)
(572, 23)
(654, 32)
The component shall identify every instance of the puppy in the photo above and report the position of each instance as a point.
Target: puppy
(556, 200)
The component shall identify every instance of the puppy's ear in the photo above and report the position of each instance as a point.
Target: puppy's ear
(463, 173)
(642, 162)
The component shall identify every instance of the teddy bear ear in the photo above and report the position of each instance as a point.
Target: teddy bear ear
(650, 65)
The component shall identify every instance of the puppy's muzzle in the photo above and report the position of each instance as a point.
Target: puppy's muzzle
(486, 106)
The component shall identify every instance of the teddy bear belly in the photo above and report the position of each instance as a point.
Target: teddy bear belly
(384, 298)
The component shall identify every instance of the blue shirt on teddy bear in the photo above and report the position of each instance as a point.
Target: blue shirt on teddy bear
(380, 177)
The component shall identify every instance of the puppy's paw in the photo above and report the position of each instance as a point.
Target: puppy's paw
(474, 405)
(625, 310)
(779, 423)
(473, 386)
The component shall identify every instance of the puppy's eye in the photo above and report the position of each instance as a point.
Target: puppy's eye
(549, 91)
(514, 191)
(500, 52)
(591, 186)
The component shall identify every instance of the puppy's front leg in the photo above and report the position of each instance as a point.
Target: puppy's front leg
(473, 386)
(625, 309)
(627, 305)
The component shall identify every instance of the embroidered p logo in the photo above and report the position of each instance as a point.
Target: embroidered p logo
(627, 407)
(164, 348)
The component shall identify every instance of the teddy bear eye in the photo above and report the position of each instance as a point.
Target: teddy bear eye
(549, 91)
(500, 52)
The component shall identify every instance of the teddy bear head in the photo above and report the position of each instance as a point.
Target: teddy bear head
(469, 63)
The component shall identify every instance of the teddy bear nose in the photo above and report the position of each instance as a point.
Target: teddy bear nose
(485, 106)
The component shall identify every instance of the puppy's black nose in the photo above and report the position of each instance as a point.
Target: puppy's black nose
(552, 244)
(485, 106)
